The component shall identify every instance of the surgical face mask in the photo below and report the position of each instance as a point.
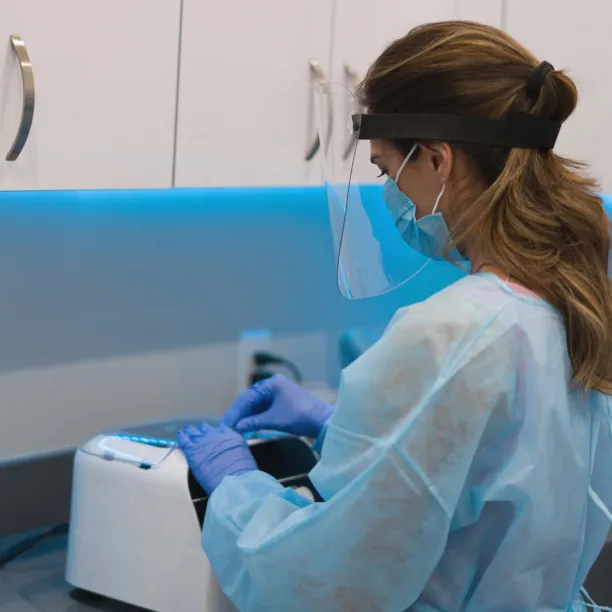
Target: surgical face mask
(428, 235)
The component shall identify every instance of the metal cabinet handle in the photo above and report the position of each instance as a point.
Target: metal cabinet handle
(352, 79)
(27, 112)
(320, 78)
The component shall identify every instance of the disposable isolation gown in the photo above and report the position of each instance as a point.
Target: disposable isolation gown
(456, 473)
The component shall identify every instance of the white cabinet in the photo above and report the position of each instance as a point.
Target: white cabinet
(246, 113)
(482, 11)
(364, 29)
(572, 36)
(105, 93)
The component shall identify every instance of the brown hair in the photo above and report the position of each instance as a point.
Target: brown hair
(537, 217)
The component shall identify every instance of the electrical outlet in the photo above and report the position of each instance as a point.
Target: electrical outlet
(251, 341)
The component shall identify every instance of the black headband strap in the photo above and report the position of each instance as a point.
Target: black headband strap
(521, 130)
(537, 78)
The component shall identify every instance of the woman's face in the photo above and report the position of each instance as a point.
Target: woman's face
(423, 176)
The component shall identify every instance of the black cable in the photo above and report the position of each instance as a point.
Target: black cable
(259, 374)
(22, 547)
(263, 359)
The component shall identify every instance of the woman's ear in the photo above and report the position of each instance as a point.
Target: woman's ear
(440, 157)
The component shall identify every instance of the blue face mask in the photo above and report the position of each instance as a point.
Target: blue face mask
(428, 235)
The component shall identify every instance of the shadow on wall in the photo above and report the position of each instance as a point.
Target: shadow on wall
(100, 274)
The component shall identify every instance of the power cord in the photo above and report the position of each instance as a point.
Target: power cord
(25, 545)
(262, 359)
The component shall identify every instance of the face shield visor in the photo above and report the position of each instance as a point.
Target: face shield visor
(379, 244)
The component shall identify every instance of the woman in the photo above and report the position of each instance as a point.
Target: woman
(465, 465)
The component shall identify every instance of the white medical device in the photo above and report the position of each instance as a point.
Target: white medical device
(136, 520)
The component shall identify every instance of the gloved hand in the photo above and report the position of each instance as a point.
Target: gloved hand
(279, 404)
(214, 453)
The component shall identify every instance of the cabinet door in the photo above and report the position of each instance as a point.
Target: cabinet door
(246, 113)
(361, 32)
(574, 36)
(105, 91)
(482, 11)
(363, 29)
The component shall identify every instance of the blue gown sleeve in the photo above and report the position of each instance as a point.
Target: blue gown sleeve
(411, 412)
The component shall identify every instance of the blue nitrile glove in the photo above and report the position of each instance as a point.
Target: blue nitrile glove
(214, 453)
(279, 404)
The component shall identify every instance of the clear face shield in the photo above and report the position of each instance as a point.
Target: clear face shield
(379, 244)
(371, 255)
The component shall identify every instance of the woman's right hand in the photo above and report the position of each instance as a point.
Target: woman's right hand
(278, 404)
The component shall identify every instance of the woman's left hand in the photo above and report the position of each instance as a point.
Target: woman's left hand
(214, 453)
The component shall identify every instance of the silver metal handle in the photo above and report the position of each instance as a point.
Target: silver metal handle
(352, 79)
(318, 74)
(29, 96)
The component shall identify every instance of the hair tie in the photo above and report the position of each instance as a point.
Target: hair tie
(537, 78)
